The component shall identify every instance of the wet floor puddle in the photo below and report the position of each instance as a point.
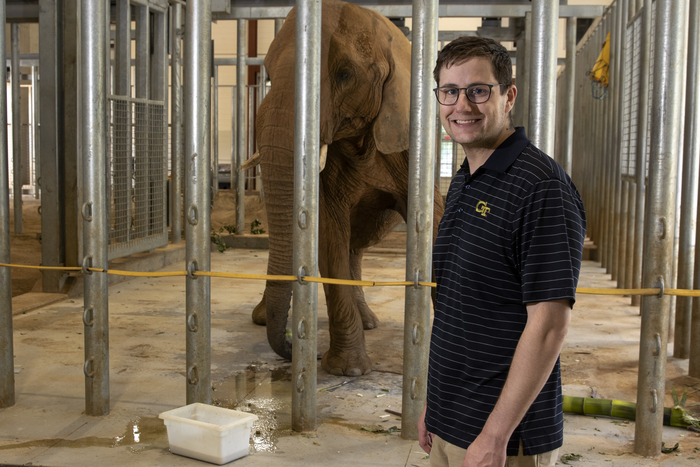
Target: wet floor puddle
(140, 434)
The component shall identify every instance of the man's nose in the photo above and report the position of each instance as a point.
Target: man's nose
(462, 101)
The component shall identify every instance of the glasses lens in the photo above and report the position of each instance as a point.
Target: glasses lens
(479, 93)
(447, 96)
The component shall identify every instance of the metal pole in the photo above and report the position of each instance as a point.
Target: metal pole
(35, 131)
(215, 122)
(609, 207)
(622, 188)
(421, 183)
(689, 201)
(616, 82)
(241, 129)
(122, 129)
(692, 147)
(568, 111)
(16, 133)
(527, 75)
(197, 116)
(306, 198)
(543, 77)
(176, 122)
(234, 128)
(660, 222)
(7, 368)
(641, 162)
(94, 210)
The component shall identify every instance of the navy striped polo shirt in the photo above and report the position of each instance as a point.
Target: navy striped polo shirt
(512, 234)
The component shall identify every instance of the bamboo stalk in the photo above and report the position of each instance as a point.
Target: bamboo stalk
(617, 409)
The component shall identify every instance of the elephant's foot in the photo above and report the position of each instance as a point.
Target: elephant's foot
(349, 363)
(260, 313)
(369, 319)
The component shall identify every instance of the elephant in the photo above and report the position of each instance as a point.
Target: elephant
(364, 133)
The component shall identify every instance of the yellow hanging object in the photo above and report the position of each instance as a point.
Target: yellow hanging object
(600, 74)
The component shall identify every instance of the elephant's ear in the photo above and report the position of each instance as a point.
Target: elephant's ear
(391, 128)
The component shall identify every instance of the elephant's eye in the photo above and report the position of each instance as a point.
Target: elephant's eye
(343, 76)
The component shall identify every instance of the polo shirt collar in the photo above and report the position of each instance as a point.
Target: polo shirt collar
(505, 154)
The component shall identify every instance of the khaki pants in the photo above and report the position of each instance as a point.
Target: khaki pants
(444, 454)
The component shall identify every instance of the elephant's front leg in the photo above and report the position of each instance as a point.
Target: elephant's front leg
(347, 354)
(369, 319)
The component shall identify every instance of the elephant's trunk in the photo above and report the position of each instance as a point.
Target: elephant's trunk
(277, 170)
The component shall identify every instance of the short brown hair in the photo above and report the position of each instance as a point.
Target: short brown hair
(466, 47)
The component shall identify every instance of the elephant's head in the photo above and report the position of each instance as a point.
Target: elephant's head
(365, 83)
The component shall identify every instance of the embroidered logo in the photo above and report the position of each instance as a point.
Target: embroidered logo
(482, 209)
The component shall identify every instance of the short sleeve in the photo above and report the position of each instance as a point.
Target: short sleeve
(548, 236)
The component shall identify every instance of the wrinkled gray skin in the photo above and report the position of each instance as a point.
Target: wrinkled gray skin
(365, 94)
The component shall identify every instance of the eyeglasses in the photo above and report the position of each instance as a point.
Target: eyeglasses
(477, 93)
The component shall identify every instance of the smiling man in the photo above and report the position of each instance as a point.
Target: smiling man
(506, 261)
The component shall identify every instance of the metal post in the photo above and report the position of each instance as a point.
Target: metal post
(278, 24)
(215, 123)
(660, 222)
(261, 94)
(527, 75)
(543, 77)
(7, 368)
(234, 143)
(610, 104)
(421, 182)
(94, 210)
(692, 149)
(568, 111)
(157, 163)
(142, 87)
(251, 126)
(176, 122)
(629, 241)
(52, 180)
(16, 133)
(614, 147)
(306, 202)
(122, 129)
(197, 115)
(620, 187)
(241, 128)
(689, 201)
(641, 162)
(35, 131)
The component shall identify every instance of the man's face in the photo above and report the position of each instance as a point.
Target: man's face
(484, 125)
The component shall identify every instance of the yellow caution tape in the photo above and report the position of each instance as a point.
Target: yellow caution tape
(325, 280)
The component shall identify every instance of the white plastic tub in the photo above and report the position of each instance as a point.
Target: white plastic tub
(208, 433)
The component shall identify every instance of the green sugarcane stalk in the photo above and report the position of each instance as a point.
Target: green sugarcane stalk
(619, 409)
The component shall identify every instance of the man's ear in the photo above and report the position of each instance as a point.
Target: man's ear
(512, 93)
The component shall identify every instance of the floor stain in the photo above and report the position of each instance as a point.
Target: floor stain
(142, 434)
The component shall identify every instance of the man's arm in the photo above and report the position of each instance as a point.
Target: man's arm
(534, 358)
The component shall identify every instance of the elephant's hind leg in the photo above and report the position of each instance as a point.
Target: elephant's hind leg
(369, 319)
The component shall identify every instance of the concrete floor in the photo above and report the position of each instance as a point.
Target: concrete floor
(47, 425)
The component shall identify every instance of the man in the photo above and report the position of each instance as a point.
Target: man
(506, 261)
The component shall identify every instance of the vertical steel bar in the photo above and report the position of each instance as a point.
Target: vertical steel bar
(142, 87)
(94, 210)
(7, 367)
(616, 81)
(197, 109)
(629, 241)
(16, 133)
(241, 140)
(143, 52)
(543, 77)
(568, 110)
(660, 222)
(518, 109)
(176, 122)
(158, 165)
(689, 200)
(35, 130)
(251, 127)
(527, 74)
(122, 130)
(419, 238)
(234, 144)
(641, 161)
(307, 109)
(261, 94)
(52, 181)
(692, 149)
(622, 187)
(215, 130)
(609, 207)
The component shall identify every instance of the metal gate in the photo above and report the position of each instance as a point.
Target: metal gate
(138, 207)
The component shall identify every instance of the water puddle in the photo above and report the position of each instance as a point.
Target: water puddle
(140, 434)
(265, 392)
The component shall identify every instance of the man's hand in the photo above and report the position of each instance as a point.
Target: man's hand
(485, 452)
(425, 439)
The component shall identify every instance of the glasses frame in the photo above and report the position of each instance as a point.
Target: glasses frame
(459, 91)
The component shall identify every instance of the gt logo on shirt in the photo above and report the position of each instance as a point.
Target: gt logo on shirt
(482, 209)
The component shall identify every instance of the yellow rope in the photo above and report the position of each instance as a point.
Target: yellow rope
(324, 280)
